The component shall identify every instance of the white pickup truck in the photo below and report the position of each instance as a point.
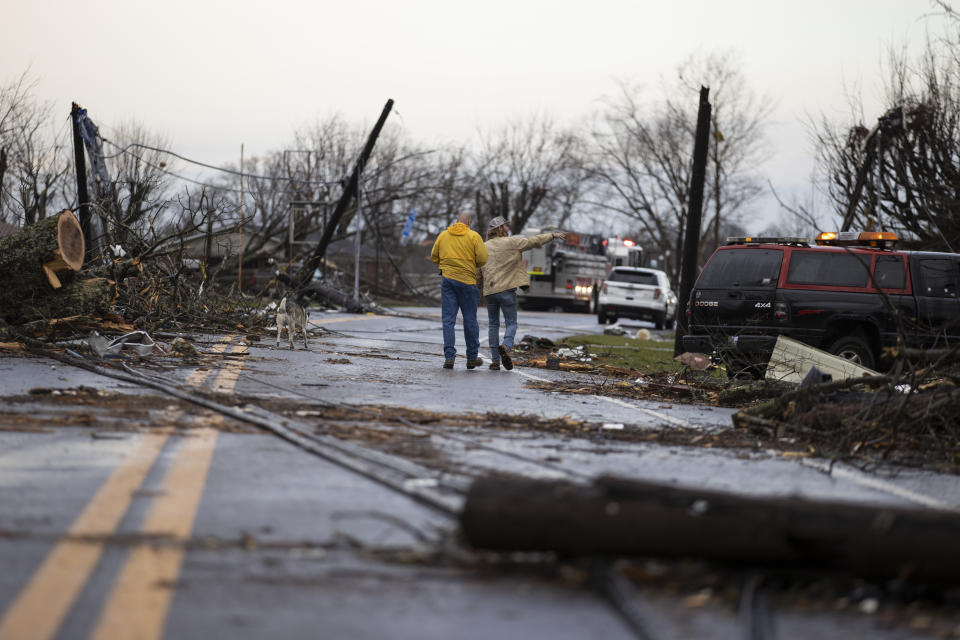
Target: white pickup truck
(634, 292)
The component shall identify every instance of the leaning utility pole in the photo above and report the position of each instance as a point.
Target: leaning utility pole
(80, 161)
(350, 190)
(691, 242)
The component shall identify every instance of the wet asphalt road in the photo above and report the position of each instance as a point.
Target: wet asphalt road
(238, 533)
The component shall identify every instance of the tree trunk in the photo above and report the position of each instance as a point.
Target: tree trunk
(39, 251)
(626, 517)
(77, 296)
(36, 267)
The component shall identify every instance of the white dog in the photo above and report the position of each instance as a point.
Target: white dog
(292, 316)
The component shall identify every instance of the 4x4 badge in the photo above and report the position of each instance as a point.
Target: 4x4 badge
(763, 305)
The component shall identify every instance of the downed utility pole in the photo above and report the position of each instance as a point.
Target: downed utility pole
(350, 190)
(691, 241)
(83, 196)
(619, 516)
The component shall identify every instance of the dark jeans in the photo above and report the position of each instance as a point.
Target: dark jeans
(456, 295)
(505, 301)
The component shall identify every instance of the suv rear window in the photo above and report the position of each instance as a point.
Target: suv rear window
(829, 269)
(634, 277)
(890, 273)
(742, 268)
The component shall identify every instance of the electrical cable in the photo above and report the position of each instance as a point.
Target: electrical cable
(123, 150)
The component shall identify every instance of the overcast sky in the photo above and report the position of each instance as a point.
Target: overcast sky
(212, 74)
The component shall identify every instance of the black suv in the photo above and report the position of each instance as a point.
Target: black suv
(850, 295)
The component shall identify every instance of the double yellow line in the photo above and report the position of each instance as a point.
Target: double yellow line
(141, 594)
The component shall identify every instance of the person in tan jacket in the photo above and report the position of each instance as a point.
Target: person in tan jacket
(502, 274)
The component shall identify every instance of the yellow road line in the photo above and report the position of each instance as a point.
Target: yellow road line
(138, 603)
(41, 606)
(39, 609)
(228, 377)
(140, 599)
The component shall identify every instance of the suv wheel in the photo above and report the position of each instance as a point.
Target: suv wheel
(855, 349)
(658, 320)
(669, 323)
(601, 315)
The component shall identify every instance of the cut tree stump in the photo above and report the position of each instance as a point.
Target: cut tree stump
(626, 517)
(37, 268)
(45, 248)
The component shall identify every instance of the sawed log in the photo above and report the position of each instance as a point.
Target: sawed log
(37, 269)
(627, 517)
(41, 250)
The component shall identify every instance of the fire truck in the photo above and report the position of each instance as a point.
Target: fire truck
(623, 252)
(566, 273)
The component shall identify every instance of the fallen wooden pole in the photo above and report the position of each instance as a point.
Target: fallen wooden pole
(626, 517)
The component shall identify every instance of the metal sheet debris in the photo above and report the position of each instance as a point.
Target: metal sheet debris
(137, 341)
(791, 360)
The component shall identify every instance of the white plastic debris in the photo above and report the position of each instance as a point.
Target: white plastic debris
(137, 341)
(615, 426)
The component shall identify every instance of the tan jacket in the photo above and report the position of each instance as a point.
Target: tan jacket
(504, 269)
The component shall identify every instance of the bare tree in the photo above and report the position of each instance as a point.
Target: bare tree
(529, 171)
(36, 156)
(898, 170)
(642, 152)
(131, 205)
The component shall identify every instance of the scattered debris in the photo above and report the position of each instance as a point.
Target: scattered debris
(695, 361)
(537, 342)
(643, 334)
(180, 346)
(139, 342)
(615, 330)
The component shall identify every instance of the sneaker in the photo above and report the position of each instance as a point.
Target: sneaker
(495, 365)
(448, 364)
(505, 357)
(473, 364)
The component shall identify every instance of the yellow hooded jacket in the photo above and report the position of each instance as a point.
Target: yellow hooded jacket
(459, 252)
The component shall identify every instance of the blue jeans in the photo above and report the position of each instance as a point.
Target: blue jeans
(505, 301)
(456, 295)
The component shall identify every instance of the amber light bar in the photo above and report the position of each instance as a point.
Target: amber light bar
(881, 239)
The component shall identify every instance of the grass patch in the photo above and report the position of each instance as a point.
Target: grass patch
(646, 356)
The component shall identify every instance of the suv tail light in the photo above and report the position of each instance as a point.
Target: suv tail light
(781, 312)
(657, 293)
(604, 287)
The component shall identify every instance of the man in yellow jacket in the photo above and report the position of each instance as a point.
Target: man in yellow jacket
(460, 252)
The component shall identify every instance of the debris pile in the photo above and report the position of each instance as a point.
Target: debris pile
(908, 419)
